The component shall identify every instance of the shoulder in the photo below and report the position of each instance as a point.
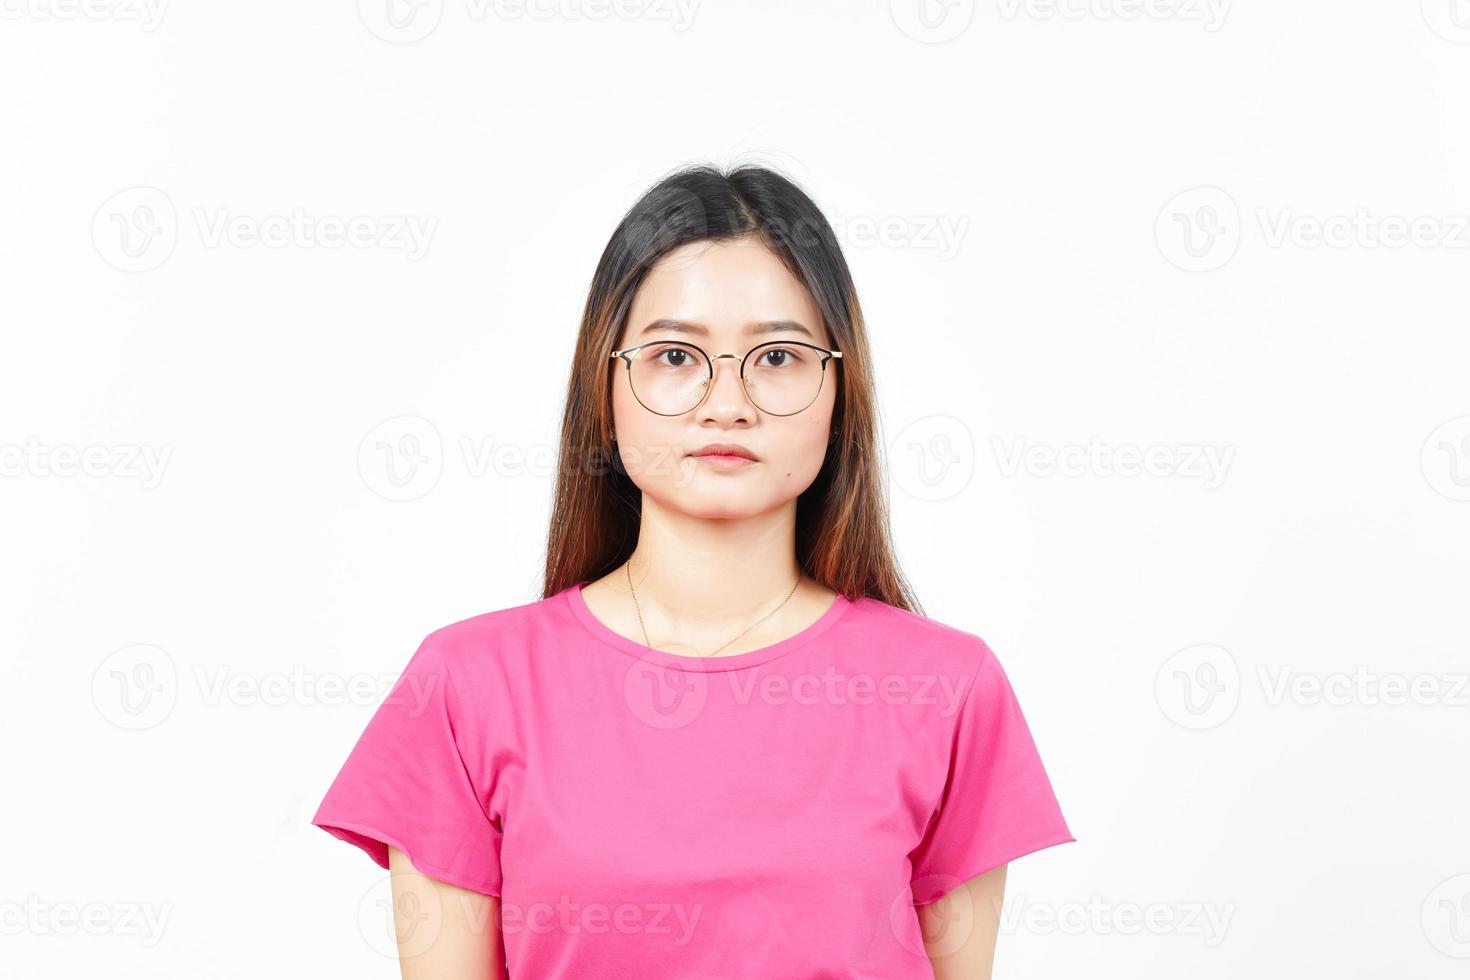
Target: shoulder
(487, 641)
(919, 641)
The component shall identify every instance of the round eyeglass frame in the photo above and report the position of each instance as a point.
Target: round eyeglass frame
(628, 353)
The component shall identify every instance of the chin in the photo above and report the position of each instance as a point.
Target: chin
(729, 504)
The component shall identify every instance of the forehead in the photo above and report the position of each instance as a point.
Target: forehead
(737, 291)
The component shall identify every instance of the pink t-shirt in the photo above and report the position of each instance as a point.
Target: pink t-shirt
(776, 813)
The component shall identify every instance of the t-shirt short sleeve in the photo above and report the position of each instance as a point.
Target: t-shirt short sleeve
(406, 783)
(997, 803)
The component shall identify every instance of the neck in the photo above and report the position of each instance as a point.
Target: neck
(712, 573)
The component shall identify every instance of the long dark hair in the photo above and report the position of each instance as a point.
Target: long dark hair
(842, 537)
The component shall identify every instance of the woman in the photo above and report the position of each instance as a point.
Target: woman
(725, 742)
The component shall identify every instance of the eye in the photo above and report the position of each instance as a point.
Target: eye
(779, 357)
(673, 356)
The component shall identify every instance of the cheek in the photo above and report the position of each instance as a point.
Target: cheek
(806, 448)
(632, 424)
(622, 398)
(648, 445)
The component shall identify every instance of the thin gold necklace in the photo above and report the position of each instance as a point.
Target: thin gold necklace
(627, 567)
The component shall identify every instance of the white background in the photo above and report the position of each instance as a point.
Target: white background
(1167, 228)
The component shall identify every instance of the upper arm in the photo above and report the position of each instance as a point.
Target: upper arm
(444, 932)
(960, 929)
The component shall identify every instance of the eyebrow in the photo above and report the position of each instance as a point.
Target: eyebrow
(700, 330)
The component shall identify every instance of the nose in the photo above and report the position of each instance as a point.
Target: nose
(726, 401)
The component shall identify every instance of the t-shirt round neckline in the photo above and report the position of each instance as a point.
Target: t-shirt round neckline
(736, 661)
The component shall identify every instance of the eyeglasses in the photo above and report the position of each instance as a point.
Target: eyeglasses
(781, 377)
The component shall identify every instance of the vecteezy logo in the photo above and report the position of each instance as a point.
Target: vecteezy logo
(931, 935)
(932, 21)
(405, 925)
(1199, 229)
(135, 230)
(665, 697)
(401, 458)
(933, 458)
(136, 687)
(1198, 687)
(1445, 458)
(1450, 19)
(400, 21)
(1445, 917)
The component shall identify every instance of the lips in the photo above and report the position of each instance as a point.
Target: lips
(724, 449)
